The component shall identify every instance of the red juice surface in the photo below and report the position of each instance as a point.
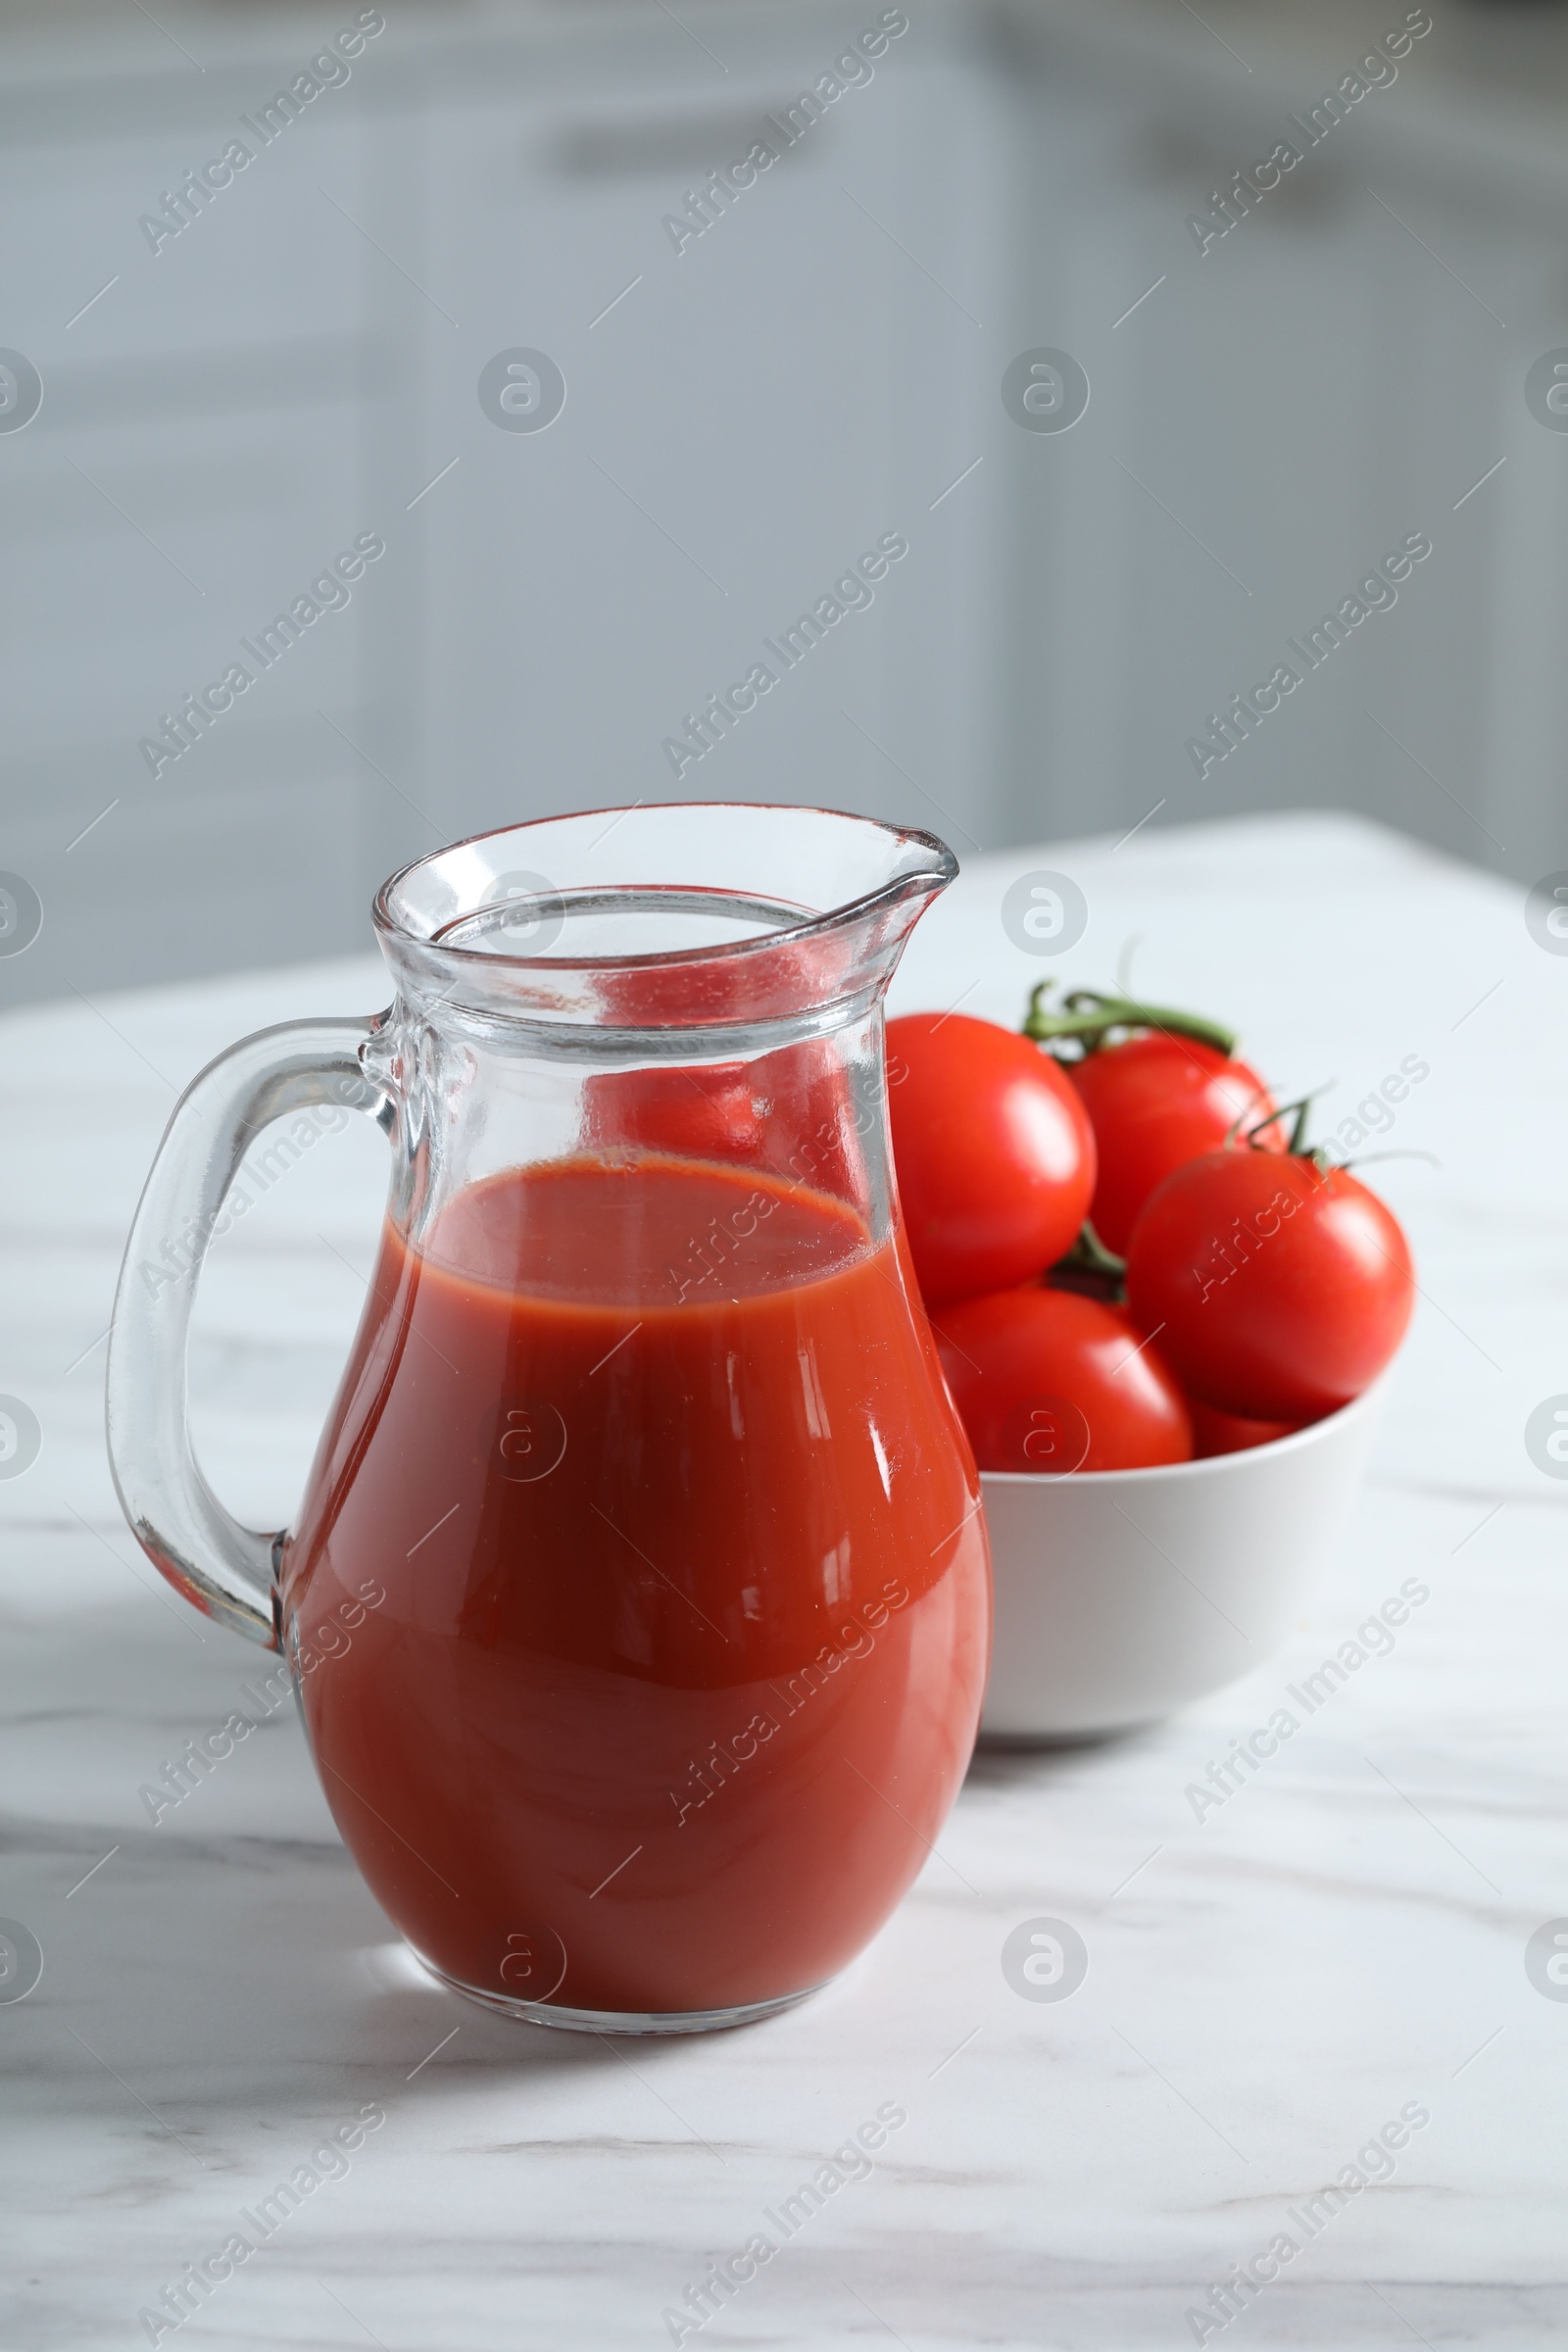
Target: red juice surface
(684, 1608)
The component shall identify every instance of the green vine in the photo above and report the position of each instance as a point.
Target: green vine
(1089, 1266)
(1088, 1017)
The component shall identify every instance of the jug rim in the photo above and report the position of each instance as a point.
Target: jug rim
(924, 880)
(680, 916)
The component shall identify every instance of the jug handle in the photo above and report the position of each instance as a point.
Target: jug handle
(226, 1570)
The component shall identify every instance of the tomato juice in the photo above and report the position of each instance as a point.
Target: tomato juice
(687, 1608)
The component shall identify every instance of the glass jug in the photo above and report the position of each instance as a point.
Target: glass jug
(639, 1604)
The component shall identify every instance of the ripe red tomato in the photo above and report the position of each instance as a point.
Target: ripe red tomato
(701, 1113)
(1049, 1380)
(1156, 1101)
(994, 1154)
(1278, 1289)
(1214, 1432)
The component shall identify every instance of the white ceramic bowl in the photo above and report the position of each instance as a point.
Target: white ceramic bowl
(1123, 1594)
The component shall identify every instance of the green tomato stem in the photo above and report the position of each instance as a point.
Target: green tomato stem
(1088, 1016)
(1296, 1147)
(1088, 1255)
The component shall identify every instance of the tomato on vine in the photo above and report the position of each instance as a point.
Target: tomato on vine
(994, 1150)
(705, 1113)
(1278, 1286)
(1160, 1087)
(1050, 1380)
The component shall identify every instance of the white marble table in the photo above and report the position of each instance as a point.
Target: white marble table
(1266, 1988)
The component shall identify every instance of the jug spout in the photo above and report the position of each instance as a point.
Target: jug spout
(687, 916)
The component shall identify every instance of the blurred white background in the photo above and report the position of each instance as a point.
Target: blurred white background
(744, 417)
